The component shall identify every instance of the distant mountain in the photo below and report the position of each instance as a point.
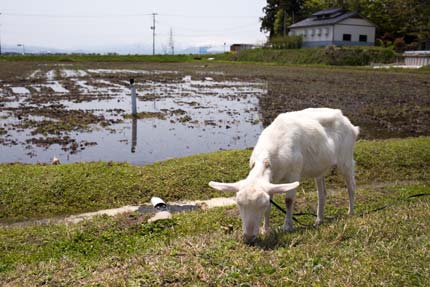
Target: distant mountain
(30, 49)
(120, 49)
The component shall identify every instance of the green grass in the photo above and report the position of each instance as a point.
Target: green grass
(338, 56)
(199, 248)
(42, 191)
(349, 56)
(383, 248)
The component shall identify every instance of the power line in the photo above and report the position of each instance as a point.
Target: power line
(222, 29)
(56, 15)
(210, 16)
(75, 16)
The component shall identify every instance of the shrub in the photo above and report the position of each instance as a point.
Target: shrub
(379, 43)
(399, 44)
(358, 56)
(287, 42)
(332, 55)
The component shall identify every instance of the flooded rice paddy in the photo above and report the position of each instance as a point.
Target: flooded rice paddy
(84, 115)
(81, 111)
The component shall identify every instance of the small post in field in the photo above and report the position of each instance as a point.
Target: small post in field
(133, 98)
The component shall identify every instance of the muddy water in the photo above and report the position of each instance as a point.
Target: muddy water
(184, 114)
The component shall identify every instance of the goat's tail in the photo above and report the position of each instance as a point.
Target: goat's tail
(356, 130)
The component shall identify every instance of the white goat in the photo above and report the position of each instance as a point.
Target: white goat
(305, 143)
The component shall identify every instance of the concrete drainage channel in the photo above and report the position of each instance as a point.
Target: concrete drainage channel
(161, 209)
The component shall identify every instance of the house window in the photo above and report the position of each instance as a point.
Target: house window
(346, 37)
(326, 31)
(319, 32)
(363, 38)
(312, 32)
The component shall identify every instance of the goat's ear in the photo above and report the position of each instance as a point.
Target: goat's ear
(282, 188)
(226, 187)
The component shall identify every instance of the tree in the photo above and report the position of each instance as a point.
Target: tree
(406, 19)
(268, 20)
(422, 25)
(279, 14)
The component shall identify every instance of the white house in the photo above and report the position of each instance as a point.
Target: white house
(335, 26)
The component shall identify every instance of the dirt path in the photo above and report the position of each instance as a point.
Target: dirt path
(174, 207)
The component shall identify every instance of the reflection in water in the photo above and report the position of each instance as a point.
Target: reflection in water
(133, 135)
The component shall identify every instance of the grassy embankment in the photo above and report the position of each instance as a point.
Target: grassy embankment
(40, 191)
(344, 56)
(198, 248)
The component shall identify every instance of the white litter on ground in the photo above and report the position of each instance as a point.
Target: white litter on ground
(160, 216)
(110, 212)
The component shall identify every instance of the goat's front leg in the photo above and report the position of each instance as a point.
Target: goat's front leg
(266, 222)
(289, 202)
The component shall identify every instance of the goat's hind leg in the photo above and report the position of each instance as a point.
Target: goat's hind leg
(348, 174)
(321, 199)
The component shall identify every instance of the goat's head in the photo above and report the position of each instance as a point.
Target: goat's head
(253, 199)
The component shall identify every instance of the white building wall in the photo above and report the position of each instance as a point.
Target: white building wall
(333, 34)
(314, 34)
(355, 27)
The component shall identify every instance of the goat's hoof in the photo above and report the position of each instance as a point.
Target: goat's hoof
(318, 222)
(289, 228)
(351, 213)
(265, 231)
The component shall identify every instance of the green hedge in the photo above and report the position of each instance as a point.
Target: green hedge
(331, 55)
(288, 42)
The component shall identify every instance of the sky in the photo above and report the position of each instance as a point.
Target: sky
(112, 25)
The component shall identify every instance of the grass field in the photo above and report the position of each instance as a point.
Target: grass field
(204, 247)
(388, 247)
(353, 56)
(43, 191)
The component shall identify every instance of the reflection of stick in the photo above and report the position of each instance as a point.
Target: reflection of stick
(133, 135)
(133, 98)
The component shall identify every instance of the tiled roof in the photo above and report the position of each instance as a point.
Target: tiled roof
(325, 17)
(327, 11)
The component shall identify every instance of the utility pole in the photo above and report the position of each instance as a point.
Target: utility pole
(0, 37)
(171, 42)
(153, 32)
